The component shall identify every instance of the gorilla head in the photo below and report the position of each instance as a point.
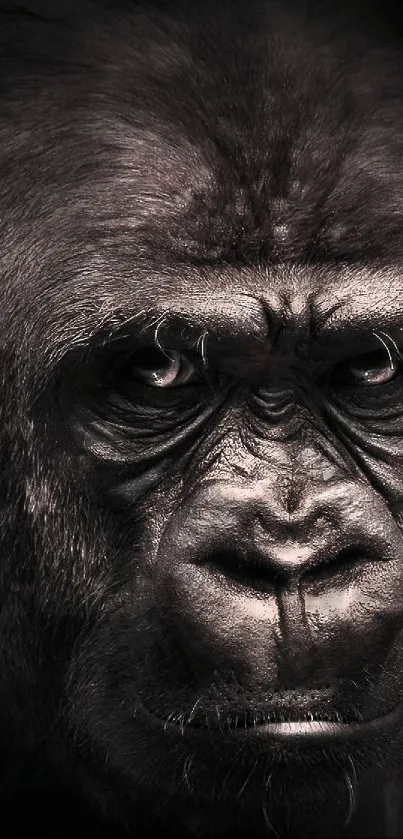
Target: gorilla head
(201, 332)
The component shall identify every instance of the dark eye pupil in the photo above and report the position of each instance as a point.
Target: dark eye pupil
(156, 368)
(162, 368)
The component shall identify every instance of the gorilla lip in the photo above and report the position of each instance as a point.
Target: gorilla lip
(321, 731)
(292, 732)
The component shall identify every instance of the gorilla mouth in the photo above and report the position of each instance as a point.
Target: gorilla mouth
(248, 719)
(295, 726)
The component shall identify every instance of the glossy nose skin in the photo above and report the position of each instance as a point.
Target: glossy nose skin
(255, 530)
(326, 527)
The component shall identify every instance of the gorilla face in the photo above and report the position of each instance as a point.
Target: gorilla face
(202, 384)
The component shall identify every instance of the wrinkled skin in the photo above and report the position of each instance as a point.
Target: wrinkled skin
(201, 325)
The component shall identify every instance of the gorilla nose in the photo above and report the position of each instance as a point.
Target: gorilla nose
(323, 533)
(326, 533)
(311, 551)
(253, 536)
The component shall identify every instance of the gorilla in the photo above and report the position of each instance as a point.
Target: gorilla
(201, 398)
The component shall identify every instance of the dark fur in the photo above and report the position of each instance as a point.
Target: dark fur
(139, 144)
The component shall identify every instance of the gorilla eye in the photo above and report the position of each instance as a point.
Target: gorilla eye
(163, 369)
(369, 370)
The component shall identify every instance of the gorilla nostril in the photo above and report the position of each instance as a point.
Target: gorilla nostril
(268, 573)
(244, 568)
(344, 564)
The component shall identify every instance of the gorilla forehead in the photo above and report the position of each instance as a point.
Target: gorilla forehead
(283, 157)
(299, 165)
(223, 133)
